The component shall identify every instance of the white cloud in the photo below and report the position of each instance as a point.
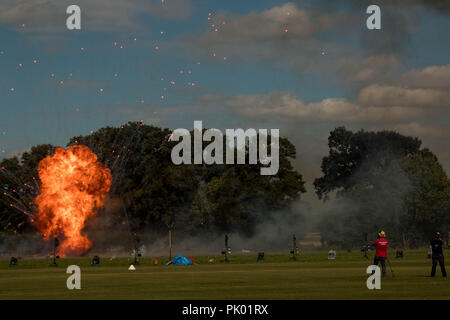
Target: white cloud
(288, 106)
(437, 77)
(283, 34)
(98, 15)
(371, 69)
(418, 130)
(383, 95)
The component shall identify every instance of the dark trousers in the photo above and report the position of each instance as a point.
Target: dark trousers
(382, 260)
(438, 258)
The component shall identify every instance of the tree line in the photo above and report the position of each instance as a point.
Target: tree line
(377, 179)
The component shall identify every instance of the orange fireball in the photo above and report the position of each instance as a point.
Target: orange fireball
(73, 187)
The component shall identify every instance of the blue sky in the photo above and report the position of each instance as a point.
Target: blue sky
(304, 67)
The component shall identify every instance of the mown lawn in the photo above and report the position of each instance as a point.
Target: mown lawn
(311, 277)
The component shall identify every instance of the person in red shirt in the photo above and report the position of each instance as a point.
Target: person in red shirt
(381, 254)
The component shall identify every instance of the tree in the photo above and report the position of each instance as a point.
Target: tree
(376, 176)
(19, 184)
(233, 199)
(151, 192)
(428, 203)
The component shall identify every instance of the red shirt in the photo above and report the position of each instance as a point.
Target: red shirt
(382, 245)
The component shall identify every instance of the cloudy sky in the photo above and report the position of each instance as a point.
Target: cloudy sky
(304, 67)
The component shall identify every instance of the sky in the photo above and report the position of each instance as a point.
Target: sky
(304, 67)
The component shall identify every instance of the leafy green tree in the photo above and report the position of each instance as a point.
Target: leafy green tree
(157, 193)
(378, 178)
(19, 184)
(150, 192)
(428, 203)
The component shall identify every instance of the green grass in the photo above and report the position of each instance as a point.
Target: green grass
(312, 277)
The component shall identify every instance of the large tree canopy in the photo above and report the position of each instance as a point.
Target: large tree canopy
(155, 193)
(381, 180)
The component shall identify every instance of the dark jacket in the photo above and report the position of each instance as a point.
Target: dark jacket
(436, 246)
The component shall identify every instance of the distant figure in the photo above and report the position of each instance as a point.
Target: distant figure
(95, 261)
(331, 255)
(260, 257)
(381, 254)
(437, 254)
(13, 262)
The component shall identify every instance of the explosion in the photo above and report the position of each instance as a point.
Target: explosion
(74, 186)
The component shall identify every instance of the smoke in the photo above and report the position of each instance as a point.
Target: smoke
(399, 20)
(272, 233)
(20, 245)
(377, 203)
(440, 6)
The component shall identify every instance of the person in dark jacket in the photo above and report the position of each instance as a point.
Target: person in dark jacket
(437, 255)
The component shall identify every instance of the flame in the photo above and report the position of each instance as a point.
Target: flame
(74, 186)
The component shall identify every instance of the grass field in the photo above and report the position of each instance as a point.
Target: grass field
(311, 277)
